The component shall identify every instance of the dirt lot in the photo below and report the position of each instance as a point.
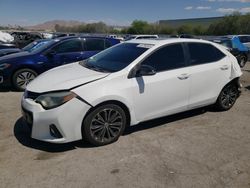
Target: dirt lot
(201, 148)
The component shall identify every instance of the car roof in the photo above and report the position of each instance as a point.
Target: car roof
(82, 36)
(162, 41)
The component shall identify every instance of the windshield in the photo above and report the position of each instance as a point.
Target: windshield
(116, 58)
(34, 45)
(40, 46)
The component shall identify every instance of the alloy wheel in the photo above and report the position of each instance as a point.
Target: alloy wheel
(106, 125)
(229, 96)
(24, 78)
(242, 61)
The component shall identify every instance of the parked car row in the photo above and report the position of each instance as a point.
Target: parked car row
(20, 66)
(236, 46)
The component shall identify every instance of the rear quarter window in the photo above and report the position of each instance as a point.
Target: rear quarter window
(202, 53)
(94, 44)
(108, 44)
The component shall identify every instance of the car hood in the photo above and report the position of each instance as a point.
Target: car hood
(9, 51)
(64, 78)
(14, 56)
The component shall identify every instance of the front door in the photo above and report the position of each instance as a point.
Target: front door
(69, 51)
(166, 92)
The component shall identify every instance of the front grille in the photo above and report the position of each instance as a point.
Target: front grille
(31, 95)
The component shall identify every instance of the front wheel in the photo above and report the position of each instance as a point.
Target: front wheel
(22, 78)
(227, 97)
(104, 125)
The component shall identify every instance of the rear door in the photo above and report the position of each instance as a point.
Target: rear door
(209, 72)
(92, 46)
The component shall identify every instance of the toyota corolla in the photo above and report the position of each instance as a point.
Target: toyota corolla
(132, 82)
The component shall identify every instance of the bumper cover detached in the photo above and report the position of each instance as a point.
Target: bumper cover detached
(59, 125)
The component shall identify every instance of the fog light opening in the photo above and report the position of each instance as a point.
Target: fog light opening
(54, 131)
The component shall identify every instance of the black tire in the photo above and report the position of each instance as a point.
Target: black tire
(22, 78)
(227, 97)
(242, 61)
(104, 125)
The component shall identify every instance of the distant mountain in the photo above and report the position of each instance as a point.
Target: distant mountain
(50, 25)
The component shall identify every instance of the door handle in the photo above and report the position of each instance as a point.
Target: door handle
(224, 67)
(184, 76)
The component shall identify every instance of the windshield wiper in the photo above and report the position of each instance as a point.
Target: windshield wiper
(93, 67)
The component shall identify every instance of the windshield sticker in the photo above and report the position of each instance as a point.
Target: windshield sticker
(145, 46)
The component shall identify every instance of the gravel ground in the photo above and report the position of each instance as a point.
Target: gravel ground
(201, 148)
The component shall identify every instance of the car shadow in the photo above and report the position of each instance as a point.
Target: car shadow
(8, 89)
(248, 87)
(246, 70)
(22, 133)
(5, 89)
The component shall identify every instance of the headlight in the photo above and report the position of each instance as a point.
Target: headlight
(4, 66)
(53, 100)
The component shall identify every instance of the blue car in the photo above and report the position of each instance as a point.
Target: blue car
(236, 47)
(18, 69)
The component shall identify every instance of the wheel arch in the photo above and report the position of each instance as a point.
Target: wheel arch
(23, 67)
(235, 81)
(116, 102)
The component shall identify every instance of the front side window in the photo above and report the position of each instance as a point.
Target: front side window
(201, 53)
(167, 58)
(116, 58)
(74, 45)
(94, 45)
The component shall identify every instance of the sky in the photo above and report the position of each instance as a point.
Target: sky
(114, 12)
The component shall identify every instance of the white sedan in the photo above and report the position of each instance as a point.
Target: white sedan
(132, 82)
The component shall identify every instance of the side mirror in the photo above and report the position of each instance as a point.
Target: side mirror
(145, 70)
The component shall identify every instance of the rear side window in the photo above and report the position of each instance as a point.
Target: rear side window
(74, 45)
(94, 45)
(167, 58)
(201, 53)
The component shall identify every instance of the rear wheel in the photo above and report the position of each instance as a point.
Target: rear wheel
(227, 97)
(22, 78)
(104, 125)
(242, 61)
